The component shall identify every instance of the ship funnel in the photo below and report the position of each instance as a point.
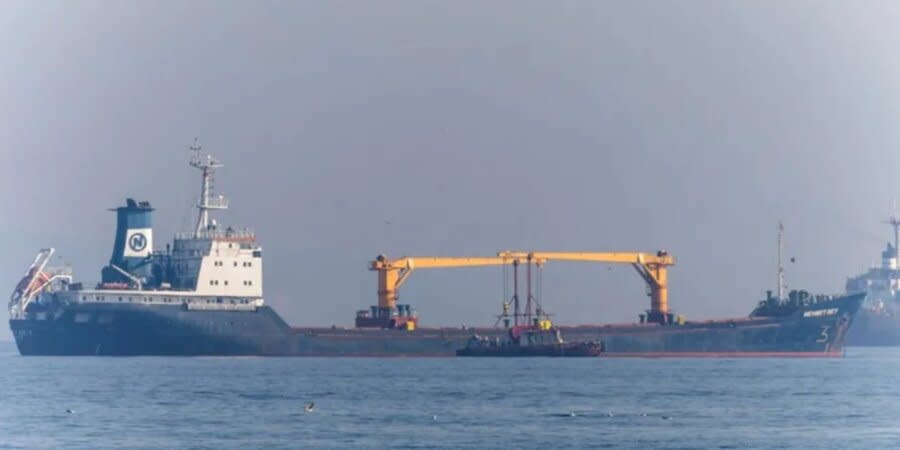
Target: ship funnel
(889, 258)
(133, 244)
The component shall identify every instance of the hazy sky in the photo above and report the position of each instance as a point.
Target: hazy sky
(355, 128)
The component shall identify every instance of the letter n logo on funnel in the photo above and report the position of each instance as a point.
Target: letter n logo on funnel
(138, 243)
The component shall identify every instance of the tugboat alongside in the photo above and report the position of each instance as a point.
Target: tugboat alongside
(203, 295)
(536, 340)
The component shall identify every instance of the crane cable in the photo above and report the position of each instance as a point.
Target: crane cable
(505, 276)
(539, 287)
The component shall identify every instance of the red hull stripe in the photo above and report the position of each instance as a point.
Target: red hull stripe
(610, 355)
(831, 354)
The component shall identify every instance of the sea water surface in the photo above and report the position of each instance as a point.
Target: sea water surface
(154, 402)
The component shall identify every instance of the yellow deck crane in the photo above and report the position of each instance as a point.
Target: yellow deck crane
(392, 273)
(653, 268)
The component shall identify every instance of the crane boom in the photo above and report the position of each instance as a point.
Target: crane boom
(651, 267)
(430, 262)
(608, 257)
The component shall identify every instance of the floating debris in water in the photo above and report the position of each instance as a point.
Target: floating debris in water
(564, 414)
(70, 411)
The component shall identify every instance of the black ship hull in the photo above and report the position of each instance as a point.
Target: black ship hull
(132, 330)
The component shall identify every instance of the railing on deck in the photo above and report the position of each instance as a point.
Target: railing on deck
(218, 235)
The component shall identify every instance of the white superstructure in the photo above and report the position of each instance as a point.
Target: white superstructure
(882, 283)
(207, 268)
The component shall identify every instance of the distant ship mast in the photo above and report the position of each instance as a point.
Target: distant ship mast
(780, 264)
(208, 165)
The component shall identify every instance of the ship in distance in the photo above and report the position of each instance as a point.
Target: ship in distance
(203, 295)
(878, 322)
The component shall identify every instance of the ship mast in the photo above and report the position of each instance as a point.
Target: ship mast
(207, 165)
(780, 282)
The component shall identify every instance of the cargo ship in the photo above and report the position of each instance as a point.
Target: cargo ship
(203, 295)
(878, 322)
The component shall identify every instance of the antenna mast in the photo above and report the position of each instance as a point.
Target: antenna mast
(780, 265)
(208, 165)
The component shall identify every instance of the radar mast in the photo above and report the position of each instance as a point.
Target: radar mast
(780, 282)
(207, 164)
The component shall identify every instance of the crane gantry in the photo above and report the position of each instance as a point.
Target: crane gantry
(653, 268)
(393, 273)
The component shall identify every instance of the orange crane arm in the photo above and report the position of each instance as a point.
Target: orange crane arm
(430, 262)
(392, 273)
(608, 257)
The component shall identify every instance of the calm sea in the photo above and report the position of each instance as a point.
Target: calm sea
(450, 403)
